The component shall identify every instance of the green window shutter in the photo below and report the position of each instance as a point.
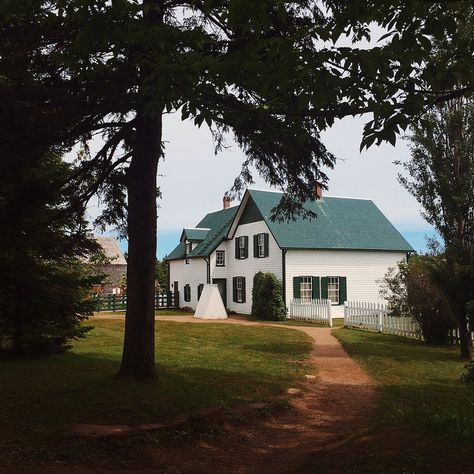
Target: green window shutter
(315, 288)
(324, 288)
(246, 243)
(237, 252)
(200, 287)
(266, 244)
(296, 287)
(255, 246)
(234, 289)
(342, 290)
(243, 290)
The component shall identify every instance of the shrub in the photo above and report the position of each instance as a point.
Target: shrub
(412, 290)
(267, 298)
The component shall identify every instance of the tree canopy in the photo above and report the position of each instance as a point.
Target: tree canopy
(441, 178)
(271, 74)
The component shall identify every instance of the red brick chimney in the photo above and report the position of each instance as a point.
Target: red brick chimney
(318, 191)
(226, 202)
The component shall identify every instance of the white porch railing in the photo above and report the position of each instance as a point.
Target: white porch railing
(374, 317)
(318, 311)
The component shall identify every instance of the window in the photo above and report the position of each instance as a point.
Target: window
(261, 245)
(238, 284)
(241, 247)
(199, 290)
(220, 258)
(240, 292)
(306, 288)
(333, 289)
(187, 293)
(189, 247)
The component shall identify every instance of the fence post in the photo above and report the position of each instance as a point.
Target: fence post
(329, 315)
(380, 317)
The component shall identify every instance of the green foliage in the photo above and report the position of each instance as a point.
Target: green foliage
(412, 290)
(441, 178)
(45, 281)
(161, 276)
(267, 298)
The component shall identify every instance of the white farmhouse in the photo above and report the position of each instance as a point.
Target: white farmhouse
(340, 255)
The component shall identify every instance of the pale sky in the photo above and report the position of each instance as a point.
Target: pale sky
(193, 179)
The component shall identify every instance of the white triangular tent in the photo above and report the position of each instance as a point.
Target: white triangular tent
(210, 305)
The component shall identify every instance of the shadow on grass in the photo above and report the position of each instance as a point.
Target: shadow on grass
(48, 397)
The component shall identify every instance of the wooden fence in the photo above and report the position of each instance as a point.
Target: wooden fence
(318, 311)
(375, 317)
(109, 302)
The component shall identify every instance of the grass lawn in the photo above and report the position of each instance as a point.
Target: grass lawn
(199, 366)
(419, 384)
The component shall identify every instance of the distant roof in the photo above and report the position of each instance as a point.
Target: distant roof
(111, 250)
(341, 223)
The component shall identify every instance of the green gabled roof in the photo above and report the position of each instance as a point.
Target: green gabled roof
(219, 222)
(216, 226)
(178, 253)
(195, 235)
(342, 223)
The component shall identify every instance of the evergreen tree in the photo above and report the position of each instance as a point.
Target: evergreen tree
(45, 282)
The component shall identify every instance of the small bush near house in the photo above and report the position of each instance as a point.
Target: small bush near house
(412, 290)
(267, 298)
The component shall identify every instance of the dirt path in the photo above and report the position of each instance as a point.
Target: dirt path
(335, 408)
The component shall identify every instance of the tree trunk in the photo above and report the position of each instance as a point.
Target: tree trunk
(465, 336)
(138, 359)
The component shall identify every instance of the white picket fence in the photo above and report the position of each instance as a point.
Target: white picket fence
(318, 311)
(374, 317)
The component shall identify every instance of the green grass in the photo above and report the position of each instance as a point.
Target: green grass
(420, 385)
(198, 365)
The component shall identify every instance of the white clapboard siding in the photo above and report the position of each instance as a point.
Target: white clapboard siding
(363, 270)
(318, 311)
(247, 267)
(375, 317)
(193, 273)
